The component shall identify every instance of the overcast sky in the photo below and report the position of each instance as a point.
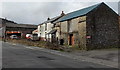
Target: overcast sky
(38, 12)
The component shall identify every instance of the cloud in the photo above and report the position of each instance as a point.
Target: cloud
(113, 5)
(0, 9)
(38, 12)
(119, 8)
(30, 12)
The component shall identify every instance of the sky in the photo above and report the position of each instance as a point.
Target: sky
(38, 12)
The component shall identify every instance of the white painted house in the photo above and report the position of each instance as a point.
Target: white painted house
(45, 29)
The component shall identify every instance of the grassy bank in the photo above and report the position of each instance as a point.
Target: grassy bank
(41, 44)
(53, 46)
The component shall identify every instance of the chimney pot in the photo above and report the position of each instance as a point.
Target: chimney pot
(48, 18)
(62, 13)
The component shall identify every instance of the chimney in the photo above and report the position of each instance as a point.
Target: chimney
(48, 18)
(62, 14)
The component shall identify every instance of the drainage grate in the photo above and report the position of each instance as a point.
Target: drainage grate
(45, 58)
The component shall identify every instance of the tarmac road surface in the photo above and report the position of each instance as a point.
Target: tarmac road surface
(19, 56)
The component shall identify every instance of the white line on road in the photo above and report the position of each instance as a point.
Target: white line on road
(13, 44)
(29, 47)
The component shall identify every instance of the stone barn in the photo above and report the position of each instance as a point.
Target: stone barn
(12, 28)
(3, 26)
(90, 28)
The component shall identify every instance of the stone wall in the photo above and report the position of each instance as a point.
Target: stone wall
(69, 27)
(102, 26)
(76, 38)
(82, 32)
(64, 36)
(64, 27)
(64, 32)
(73, 25)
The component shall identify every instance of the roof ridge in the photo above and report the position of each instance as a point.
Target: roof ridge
(51, 19)
(86, 7)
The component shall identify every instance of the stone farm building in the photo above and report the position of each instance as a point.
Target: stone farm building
(92, 27)
(9, 28)
(89, 28)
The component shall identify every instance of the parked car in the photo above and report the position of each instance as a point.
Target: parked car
(13, 37)
(33, 37)
(28, 36)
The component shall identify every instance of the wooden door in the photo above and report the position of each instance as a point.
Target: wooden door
(71, 39)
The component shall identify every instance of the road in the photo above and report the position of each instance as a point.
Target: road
(19, 56)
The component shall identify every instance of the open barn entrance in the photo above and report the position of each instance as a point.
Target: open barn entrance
(9, 33)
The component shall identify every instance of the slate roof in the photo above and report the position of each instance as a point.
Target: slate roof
(52, 31)
(52, 19)
(6, 20)
(21, 25)
(78, 13)
(10, 23)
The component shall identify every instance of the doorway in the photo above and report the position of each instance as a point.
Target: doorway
(71, 39)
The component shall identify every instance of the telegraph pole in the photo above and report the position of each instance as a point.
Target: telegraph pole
(5, 30)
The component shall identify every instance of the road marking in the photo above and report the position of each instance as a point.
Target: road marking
(29, 47)
(13, 44)
(35, 48)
